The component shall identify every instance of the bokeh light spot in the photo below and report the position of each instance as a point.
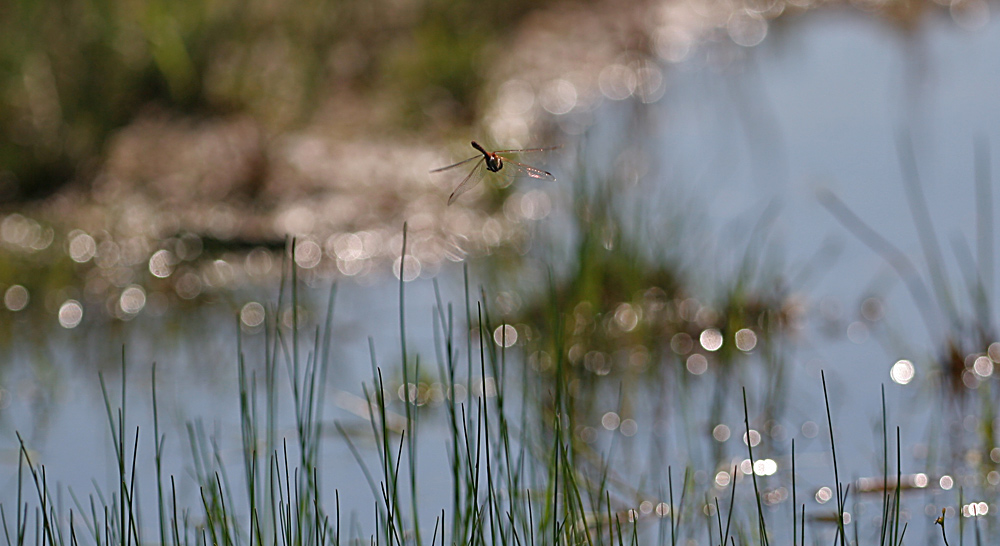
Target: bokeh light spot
(610, 420)
(82, 247)
(411, 268)
(629, 427)
(132, 300)
(161, 264)
(558, 97)
(681, 343)
(308, 254)
(252, 314)
(505, 335)
(902, 372)
(823, 495)
(711, 339)
(70, 314)
(697, 364)
(16, 297)
(983, 366)
(721, 433)
(626, 317)
(746, 28)
(746, 339)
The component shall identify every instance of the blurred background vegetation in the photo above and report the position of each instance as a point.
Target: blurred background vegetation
(73, 72)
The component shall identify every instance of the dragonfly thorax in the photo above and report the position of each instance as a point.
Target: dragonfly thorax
(493, 163)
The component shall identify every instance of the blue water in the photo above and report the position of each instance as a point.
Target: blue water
(819, 105)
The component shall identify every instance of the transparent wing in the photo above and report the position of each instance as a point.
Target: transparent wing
(528, 150)
(528, 170)
(453, 165)
(470, 180)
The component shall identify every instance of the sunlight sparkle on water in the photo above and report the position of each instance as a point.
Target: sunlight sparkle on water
(610, 420)
(558, 97)
(711, 339)
(505, 335)
(765, 467)
(16, 297)
(970, 14)
(219, 274)
(629, 427)
(994, 351)
(70, 314)
(535, 205)
(697, 364)
(81, 247)
(902, 372)
(681, 343)
(132, 300)
(872, 309)
(746, 28)
(746, 340)
(344, 246)
(617, 81)
(946, 482)
(411, 268)
(776, 496)
(352, 267)
(161, 264)
(983, 366)
(626, 317)
(672, 43)
(252, 314)
(721, 433)
(810, 429)
(308, 254)
(974, 509)
(188, 286)
(515, 97)
(754, 438)
(857, 332)
(823, 495)
(258, 262)
(26, 233)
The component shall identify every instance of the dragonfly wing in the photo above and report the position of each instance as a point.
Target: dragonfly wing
(528, 150)
(453, 165)
(470, 180)
(528, 170)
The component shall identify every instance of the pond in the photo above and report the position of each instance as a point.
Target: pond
(786, 135)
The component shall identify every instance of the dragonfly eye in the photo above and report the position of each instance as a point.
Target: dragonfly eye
(496, 164)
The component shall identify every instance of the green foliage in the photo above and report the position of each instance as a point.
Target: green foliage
(71, 72)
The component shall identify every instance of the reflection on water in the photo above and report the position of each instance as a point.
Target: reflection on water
(651, 348)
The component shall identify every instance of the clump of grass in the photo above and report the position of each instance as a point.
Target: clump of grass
(623, 313)
(515, 476)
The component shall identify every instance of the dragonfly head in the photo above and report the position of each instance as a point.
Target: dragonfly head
(494, 163)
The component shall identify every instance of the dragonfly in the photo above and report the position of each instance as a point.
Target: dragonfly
(493, 162)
